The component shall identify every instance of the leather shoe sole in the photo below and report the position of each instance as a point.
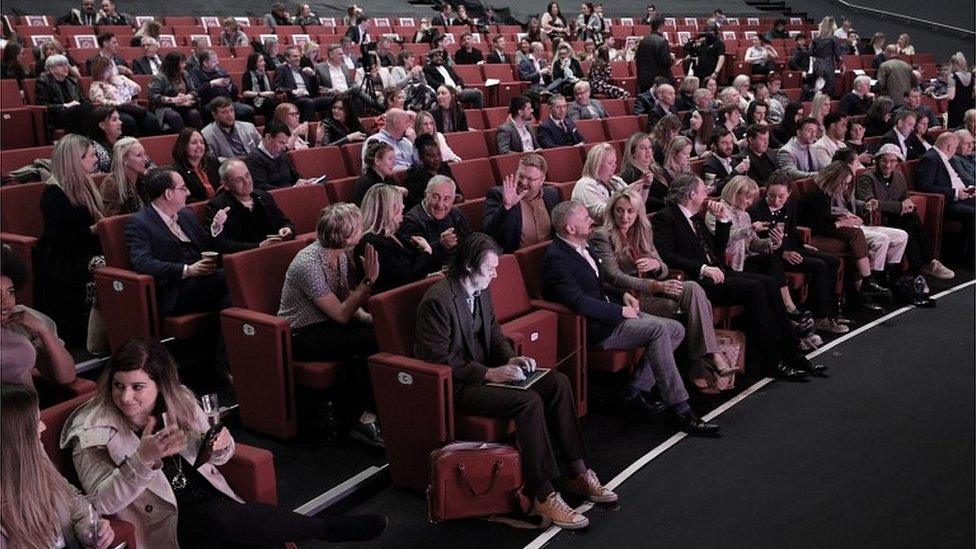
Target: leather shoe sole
(640, 405)
(786, 373)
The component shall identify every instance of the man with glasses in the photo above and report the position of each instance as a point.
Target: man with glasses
(167, 241)
(517, 212)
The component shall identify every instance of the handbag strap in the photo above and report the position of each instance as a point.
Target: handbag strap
(495, 473)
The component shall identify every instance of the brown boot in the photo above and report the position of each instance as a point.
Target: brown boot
(588, 485)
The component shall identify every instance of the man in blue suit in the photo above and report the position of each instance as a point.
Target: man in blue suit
(614, 320)
(558, 131)
(167, 241)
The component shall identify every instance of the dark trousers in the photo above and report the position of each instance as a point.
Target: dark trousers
(544, 410)
(352, 343)
(307, 106)
(221, 522)
(821, 270)
(964, 212)
(769, 330)
(199, 294)
(918, 252)
(76, 119)
(139, 119)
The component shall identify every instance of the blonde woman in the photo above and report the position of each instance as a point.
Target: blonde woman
(120, 190)
(960, 91)
(70, 207)
(425, 123)
(288, 114)
(400, 261)
(826, 52)
(677, 161)
(40, 510)
(134, 446)
(599, 180)
(819, 108)
(624, 246)
(904, 44)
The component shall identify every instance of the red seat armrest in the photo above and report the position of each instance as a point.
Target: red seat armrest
(251, 473)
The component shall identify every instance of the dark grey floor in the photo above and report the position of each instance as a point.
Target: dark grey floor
(879, 455)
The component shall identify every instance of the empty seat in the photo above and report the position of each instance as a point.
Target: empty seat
(621, 127)
(302, 205)
(565, 164)
(591, 130)
(468, 145)
(318, 161)
(473, 177)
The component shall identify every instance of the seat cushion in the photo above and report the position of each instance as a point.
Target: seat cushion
(611, 361)
(187, 326)
(481, 428)
(317, 375)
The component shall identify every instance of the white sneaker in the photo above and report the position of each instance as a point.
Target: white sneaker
(938, 270)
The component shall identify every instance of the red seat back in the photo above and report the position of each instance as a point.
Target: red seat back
(302, 205)
(111, 233)
(591, 130)
(470, 74)
(510, 297)
(505, 165)
(473, 211)
(565, 164)
(54, 419)
(500, 71)
(20, 209)
(395, 315)
(260, 293)
(317, 161)
(615, 107)
(342, 190)
(468, 145)
(11, 160)
(495, 116)
(159, 148)
(621, 127)
(475, 122)
(352, 154)
(530, 261)
(473, 177)
(10, 93)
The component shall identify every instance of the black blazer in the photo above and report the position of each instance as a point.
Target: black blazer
(495, 59)
(505, 226)
(285, 81)
(417, 222)
(434, 77)
(569, 280)
(914, 147)
(657, 113)
(760, 167)
(931, 176)
(653, 59)
(49, 93)
(786, 215)
(851, 104)
(353, 34)
(154, 250)
(63, 252)
(367, 180)
(444, 336)
(245, 229)
(557, 69)
(681, 248)
(550, 136)
(459, 120)
(143, 66)
(713, 165)
(211, 166)
(399, 264)
(813, 211)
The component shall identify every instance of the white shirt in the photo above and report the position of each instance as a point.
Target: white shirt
(526, 136)
(583, 251)
(299, 80)
(957, 184)
(172, 223)
(901, 143)
(688, 215)
(338, 76)
(447, 76)
(348, 60)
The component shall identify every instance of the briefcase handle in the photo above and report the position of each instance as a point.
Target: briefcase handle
(495, 473)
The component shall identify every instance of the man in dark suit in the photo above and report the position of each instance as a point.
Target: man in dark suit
(653, 57)
(438, 72)
(498, 55)
(85, 16)
(614, 320)
(535, 69)
(517, 212)
(935, 174)
(762, 163)
(913, 102)
(821, 268)
(558, 131)
(212, 81)
(456, 325)
(108, 47)
(166, 241)
(253, 219)
(517, 133)
(150, 62)
(900, 135)
(467, 54)
(664, 94)
(268, 163)
(445, 18)
(436, 220)
(301, 85)
(359, 33)
(685, 243)
(721, 163)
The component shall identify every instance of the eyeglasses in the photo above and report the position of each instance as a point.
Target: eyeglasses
(182, 188)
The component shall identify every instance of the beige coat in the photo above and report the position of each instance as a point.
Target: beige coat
(104, 453)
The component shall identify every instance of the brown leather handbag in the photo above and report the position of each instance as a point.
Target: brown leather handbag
(474, 479)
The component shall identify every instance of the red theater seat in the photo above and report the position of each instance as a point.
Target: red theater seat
(318, 161)
(302, 205)
(621, 127)
(468, 145)
(473, 177)
(21, 225)
(565, 164)
(591, 130)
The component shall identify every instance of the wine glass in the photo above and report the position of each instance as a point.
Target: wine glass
(674, 275)
(211, 406)
(88, 528)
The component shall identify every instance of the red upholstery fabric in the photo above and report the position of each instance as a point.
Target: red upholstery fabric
(621, 127)
(565, 164)
(473, 211)
(495, 116)
(591, 130)
(302, 205)
(468, 145)
(317, 161)
(505, 165)
(395, 315)
(352, 154)
(341, 190)
(13, 159)
(21, 127)
(160, 147)
(20, 208)
(473, 177)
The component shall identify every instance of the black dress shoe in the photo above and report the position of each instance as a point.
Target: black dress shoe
(689, 423)
(866, 302)
(924, 303)
(643, 405)
(872, 287)
(787, 373)
(803, 363)
(368, 433)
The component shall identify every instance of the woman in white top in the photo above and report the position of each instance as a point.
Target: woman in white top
(425, 124)
(599, 181)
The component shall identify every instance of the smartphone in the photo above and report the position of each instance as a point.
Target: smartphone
(207, 446)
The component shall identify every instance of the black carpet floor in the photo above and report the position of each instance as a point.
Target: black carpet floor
(881, 454)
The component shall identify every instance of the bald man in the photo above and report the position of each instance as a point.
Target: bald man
(394, 131)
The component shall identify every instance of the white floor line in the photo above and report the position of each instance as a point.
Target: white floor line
(550, 533)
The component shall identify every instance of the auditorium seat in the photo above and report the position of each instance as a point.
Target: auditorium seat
(341, 190)
(352, 154)
(317, 161)
(505, 165)
(21, 225)
(159, 148)
(495, 116)
(473, 211)
(591, 130)
(475, 119)
(565, 164)
(468, 145)
(473, 177)
(621, 127)
(302, 205)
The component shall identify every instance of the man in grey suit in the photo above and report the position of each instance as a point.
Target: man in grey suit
(614, 320)
(653, 57)
(456, 326)
(584, 108)
(517, 134)
(227, 137)
(796, 156)
(335, 80)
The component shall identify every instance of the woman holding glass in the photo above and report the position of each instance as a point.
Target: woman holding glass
(40, 510)
(624, 248)
(134, 446)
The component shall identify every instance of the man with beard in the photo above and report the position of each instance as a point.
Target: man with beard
(227, 137)
(721, 163)
(517, 212)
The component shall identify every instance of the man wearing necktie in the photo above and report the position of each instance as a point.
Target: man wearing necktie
(796, 156)
(558, 131)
